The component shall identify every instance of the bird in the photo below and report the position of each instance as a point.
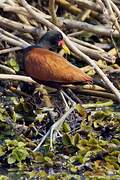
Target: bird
(46, 66)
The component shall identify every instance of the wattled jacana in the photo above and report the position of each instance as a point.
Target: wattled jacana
(46, 66)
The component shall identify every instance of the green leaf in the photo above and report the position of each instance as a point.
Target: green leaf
(42, 174)
(66, 127)
(87, 156)
(66, 139)
(83, 142)
(11, 159)
(38, 157)
(75, 139)
(46, 158)
(81, 110)
(119, 158)
(11, 143)
(3, 114)
(2, 152)
(16, 68)
(48, 161)
(32, 174)
(21, 144)
(20, 153)
(93, 141)
(73, 169)
(2, 177)
(13, 64)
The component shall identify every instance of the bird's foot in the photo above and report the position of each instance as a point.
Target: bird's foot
(53, 131)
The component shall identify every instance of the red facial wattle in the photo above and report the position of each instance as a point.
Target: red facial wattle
(61, 43)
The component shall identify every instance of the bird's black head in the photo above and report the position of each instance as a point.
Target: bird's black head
(52, 40)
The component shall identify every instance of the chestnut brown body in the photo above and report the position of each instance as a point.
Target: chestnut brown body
(44, 65)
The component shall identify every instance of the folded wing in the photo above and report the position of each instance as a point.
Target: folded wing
(45, 65)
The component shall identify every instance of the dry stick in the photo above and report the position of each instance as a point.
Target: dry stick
(104, 10)
(92, 87)
(100, 105)
(102, 30)
(3, 51)
(113, 19)
(11, 41)
(21, 10)
(92, 46)
(117, 11)
(102, 6)
(10, 35)
(73, 48)
(96, 93)
(114, 71)
(112, 52)
(16, 25)
(94, 53)
(29, 80)
(30, 29)
(88, 4)
(85, 15)
(112, 15)
(14, 9)
(117, 2)
(52, 11)
(97, 29)
(41, 13)
(7, 69)
(22, 18)
(87, 68)
(11, 2)
(74, 34)
(16, 78)
(71, 8)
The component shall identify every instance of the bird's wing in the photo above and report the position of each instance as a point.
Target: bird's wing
(45, 65)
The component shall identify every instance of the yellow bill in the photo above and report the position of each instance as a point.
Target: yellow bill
(64, 47)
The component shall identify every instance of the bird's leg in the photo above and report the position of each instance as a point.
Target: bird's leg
(63, 94)
(77, 99)
(64, 100)
(42, 141)
(55, 127)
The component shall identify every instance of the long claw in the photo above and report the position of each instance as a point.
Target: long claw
(55, 127)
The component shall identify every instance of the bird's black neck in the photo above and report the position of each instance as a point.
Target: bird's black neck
(41, 44)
